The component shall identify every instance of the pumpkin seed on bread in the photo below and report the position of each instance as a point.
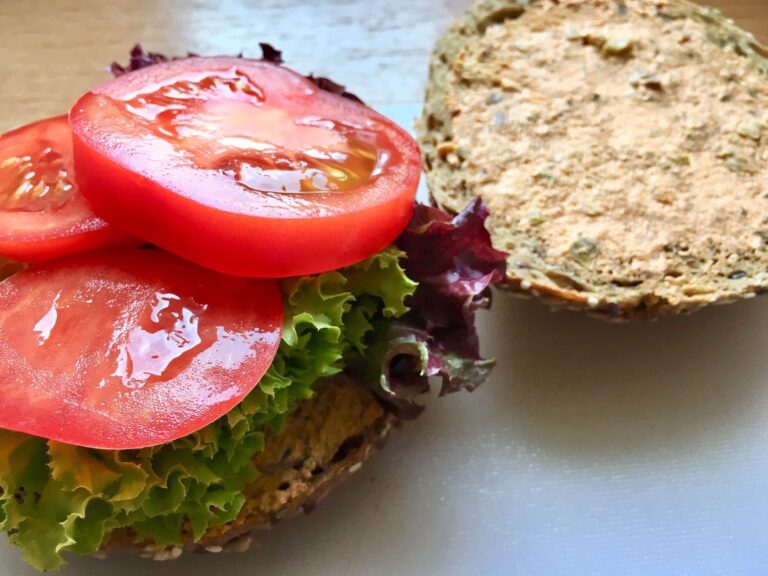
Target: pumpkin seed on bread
(621, 146)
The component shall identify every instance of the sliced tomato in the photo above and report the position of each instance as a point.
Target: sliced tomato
(244, 166)
(42, 213)
(130, 348)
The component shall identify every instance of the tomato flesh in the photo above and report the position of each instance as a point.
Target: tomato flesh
(42, 213)
(244, 167)
(130, 348)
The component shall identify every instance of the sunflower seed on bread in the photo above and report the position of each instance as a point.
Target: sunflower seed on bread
(621, 145)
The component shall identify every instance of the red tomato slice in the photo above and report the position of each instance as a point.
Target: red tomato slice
(130, 348)
(244, 167)
(42, 214)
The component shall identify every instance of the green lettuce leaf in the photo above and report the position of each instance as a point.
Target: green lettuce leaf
(58, 498)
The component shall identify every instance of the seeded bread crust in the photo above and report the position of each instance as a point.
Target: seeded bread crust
(543, 107)
(326, 440)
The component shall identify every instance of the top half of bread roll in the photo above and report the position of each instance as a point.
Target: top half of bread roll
(621, 145)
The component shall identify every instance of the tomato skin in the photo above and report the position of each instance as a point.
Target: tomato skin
(130, 348)
(82, 240)
(138, 181)
(38, 236)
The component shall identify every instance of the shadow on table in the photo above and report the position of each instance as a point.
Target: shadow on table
(574, 385)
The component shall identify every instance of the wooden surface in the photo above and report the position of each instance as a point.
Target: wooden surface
(53, 50)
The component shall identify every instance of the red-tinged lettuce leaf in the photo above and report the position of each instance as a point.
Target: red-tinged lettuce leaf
(270, 54)
(454, 263)
(139, 59)
(333, 87)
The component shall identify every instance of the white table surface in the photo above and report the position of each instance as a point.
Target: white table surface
(595, 449)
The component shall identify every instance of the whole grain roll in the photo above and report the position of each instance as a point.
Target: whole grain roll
(621, 145)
